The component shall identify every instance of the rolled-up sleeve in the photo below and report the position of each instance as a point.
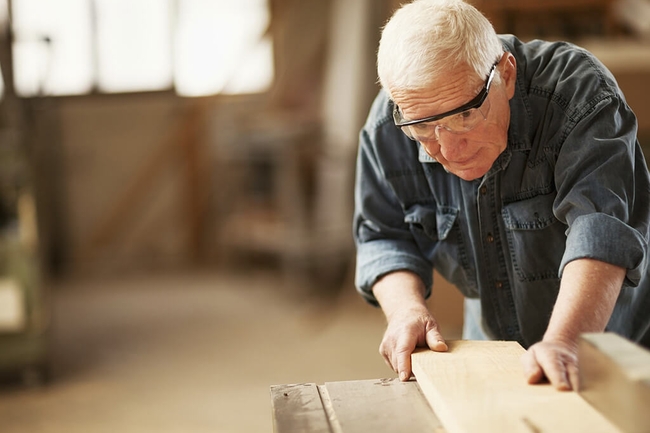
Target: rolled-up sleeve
(602, 237)
(380, 257)
(383, 239)
(604, 189)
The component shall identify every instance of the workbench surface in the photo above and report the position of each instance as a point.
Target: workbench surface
(479, 386)
(364, 406)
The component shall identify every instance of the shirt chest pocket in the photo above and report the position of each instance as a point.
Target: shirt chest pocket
(437, 232)
(434, 222)
(536, 239)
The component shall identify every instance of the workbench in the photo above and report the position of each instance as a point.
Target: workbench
(382, 405)
(479, 386)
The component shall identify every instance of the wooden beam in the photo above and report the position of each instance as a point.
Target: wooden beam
(479, 386)
(615, 379)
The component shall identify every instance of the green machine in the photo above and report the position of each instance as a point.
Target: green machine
(24, 303)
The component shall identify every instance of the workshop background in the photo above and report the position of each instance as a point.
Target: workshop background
(176, 192)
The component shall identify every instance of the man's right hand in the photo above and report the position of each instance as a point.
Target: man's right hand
(410, 324)
(406, 330)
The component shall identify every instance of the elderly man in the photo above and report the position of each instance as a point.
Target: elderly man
(514, 170)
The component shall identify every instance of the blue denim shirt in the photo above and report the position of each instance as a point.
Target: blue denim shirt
(572, 183)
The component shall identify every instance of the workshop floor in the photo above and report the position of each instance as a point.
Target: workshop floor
(189, 353)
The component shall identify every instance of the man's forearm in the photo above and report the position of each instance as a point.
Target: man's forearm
(588, 293)
(399, 290)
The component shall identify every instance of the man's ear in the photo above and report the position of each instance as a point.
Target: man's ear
(509, 73)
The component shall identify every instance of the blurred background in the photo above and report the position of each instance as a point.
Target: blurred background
(176, 192)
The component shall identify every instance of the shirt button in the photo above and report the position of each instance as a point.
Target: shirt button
(490, 238)
(498, 284)
(483, 190)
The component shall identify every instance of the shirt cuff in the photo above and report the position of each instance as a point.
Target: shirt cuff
(380, 257)
(602, 237)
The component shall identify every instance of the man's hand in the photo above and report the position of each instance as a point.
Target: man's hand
(410, 324)
(406, 330)
(588, 292)
(556, 361)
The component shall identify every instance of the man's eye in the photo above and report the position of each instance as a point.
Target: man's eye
(463, 118)
(422, 127)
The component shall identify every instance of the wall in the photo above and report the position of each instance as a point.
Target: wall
(107, 143)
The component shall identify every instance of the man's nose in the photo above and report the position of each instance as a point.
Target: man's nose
(451, 145)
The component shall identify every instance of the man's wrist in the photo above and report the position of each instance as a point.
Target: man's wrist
(569, 339)
(400, 291)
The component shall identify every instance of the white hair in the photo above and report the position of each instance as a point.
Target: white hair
(425, 38)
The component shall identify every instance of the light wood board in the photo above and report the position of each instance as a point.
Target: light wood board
(479, 386)
(615, 379)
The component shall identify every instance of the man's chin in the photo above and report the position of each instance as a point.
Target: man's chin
(467, 173)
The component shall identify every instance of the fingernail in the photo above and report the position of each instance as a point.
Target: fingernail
(403, 376)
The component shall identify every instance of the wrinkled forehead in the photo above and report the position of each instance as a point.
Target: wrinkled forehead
(461, 81)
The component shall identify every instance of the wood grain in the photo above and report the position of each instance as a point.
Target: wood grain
(479, 386)
(615, 379)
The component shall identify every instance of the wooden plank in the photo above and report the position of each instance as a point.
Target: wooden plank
(615, 379)
(381, 406)
(479, 386)
(298, 408)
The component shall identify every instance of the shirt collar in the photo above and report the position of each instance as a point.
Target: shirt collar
(423, 156)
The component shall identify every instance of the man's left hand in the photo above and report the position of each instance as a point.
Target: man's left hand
(554, 360)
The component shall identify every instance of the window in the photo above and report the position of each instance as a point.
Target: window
(221, 47)
(53, 47)
(197, 47)
(133, 45)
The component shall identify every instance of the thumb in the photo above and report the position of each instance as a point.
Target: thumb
(532, 370)
(435, 341)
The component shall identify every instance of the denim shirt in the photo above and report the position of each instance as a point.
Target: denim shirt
(572, 183)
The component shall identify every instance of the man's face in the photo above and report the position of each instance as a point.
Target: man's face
(467, 154)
